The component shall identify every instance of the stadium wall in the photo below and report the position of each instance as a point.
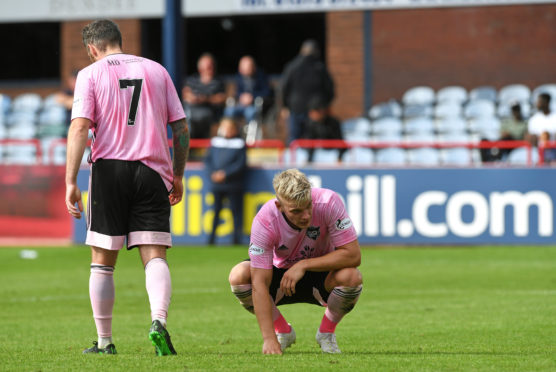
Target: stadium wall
(394, 206)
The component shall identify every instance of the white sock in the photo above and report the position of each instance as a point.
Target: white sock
(104, 341)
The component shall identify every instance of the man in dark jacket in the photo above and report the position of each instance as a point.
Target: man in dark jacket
(322, 125)
(303, 79)
(226, 164)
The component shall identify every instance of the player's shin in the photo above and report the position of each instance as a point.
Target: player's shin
(102, 293)
(340, 302)
(243, 293)
(159, 288)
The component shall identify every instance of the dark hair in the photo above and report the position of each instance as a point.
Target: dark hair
(545, 97)
(102, 33)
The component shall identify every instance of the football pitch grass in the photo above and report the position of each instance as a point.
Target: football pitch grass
(422, 309)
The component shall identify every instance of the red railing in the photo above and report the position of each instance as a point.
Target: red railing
(327, 144)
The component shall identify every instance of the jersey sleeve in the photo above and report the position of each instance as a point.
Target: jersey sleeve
(83, 97)
(339, 223)
(175, 107)
(261, 247)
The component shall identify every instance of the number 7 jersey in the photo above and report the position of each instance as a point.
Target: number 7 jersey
(129, 101)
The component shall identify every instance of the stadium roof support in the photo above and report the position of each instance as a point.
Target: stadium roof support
(172, 42)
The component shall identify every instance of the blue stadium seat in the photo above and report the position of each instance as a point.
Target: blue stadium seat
(519, 155)
(325, 156)
(29, 102)
(514, 93)
(452, 94)
(488, 93)
(423, 156)
(451, 124)
(359, 156)
(390, 109)
(479, 108)
(414, 111)
(419, 125)
(420, 95)
(391, 156)
(456, 156)
(387, 125)
(445, 110)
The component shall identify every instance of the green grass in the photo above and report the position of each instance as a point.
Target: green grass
(422, 309)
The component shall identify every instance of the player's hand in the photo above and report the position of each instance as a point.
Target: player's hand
(73, 195)
(271, 347)
(290, 279)
(177, 191)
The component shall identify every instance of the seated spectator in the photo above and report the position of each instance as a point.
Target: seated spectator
(542, 126)
(322, 125)
(511, 129)
(204, 95)
(65, 97)
(226, 164)
(251, 82)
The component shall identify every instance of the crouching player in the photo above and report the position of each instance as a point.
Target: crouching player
(303, 249)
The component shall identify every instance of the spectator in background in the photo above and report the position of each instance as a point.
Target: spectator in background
(251, 82)
(322, 125)
(303, 78)
(226, 164)
(513, 128)
(204, 95)
(65, 97)
(542, 126)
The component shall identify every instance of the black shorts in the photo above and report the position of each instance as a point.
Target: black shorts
(129, 200)
(310, 289)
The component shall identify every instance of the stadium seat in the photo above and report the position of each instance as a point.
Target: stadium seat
(420, 137)
(456, 156)
(23, 154)
(483, 93)
(390, 109)
(420, 95)
(359, 156)
(423, 156)
(479, 108)
(514, 93)
(482, 124)
(447, 110)
(519, 155)
(504, 110)
(415, 110)
(30, 102)
(301, 157)
(18, 117)
(419, 125)
(454, 137)
(452, 94)
(22, 131)
(391, 156)
(325, 156)
(5, 104)
(358, 125)
(3, 131)
(451, 124)
(387, 125)
(391, 137)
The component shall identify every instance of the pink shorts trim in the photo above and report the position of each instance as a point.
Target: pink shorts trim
(113, 243)
(149, 237)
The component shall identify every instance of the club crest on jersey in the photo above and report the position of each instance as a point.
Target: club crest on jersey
(343, 224)
(255, 251)
(313, 232)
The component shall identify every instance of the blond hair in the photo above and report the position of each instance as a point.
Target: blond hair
(292, 185)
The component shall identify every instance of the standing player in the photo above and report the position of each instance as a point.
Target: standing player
(127, 102)
(303, 248)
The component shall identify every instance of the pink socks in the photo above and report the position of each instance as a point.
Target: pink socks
(102, 293)
(159, 287)
(340, 302)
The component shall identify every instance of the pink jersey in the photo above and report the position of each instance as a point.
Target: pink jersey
(275, 242)
(129, 100)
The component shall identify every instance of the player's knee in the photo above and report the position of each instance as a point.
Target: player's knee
(349, 277)
(240, 274)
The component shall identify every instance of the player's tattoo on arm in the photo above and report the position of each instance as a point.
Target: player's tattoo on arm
(180, 138)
